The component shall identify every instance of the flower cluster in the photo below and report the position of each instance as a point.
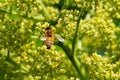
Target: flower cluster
(24, 56)
(101, 67)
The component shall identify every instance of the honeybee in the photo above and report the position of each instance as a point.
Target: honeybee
(49, 37)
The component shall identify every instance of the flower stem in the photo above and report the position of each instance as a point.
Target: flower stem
(73, 58)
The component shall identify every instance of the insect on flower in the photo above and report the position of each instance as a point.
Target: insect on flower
(50, 36)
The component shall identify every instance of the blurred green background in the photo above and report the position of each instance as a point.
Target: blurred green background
(90, 28)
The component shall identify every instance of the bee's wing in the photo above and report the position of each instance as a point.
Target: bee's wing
(42, 38)
(59, 38)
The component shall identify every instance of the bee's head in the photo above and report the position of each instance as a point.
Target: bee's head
(48, 31)
(48, 28)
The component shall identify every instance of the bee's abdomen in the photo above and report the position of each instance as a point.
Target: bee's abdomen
(49, 42)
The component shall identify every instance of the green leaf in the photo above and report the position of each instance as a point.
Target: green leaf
(2, 1)
(14, 7)
(39, 43)
(11, 16)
